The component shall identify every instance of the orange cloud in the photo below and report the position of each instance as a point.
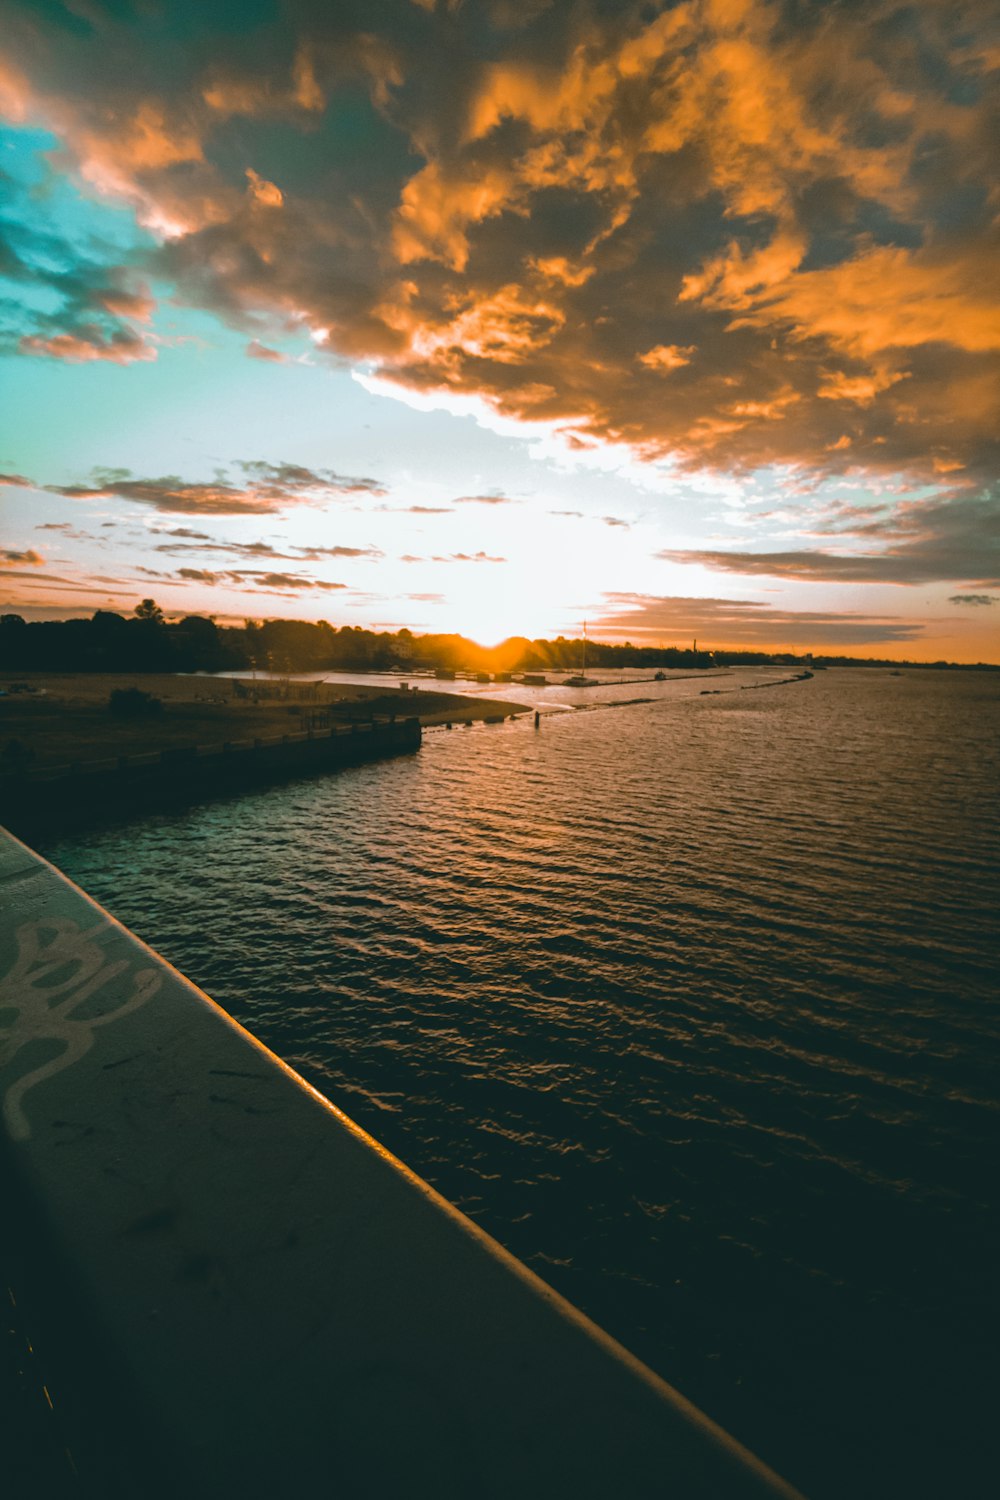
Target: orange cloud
(885, 299)
(745, 622)
(437, 209)
(558, 268)
(119, 349)
(922, 542)
(862, 389)
(729, 280)
(122, 158)
(138, 306)
(262, 191)
(16, 97)
(666, 357)
(549, 100)
(307, 92)
(508, 328)
(236, 96)
(266, 489)
(257, 350)
(553, 231)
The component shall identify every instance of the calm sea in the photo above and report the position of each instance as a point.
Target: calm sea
(690, 1003)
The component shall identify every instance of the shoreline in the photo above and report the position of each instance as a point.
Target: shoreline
(67, 758)
(69, 796)
(49, 719)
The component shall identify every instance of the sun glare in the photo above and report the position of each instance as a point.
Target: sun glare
(490, 617)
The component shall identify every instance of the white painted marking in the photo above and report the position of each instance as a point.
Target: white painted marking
(44, 1012)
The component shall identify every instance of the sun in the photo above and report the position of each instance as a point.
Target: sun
(489, 617)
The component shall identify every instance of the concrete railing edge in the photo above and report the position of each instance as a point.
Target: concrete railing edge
(130, 1116)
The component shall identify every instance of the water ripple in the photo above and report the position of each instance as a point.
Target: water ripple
(691, 1004)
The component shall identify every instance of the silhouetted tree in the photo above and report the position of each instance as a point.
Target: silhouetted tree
(110, 642)
(196, 645)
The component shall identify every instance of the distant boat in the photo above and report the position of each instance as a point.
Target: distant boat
(581, 679)
(660, 677)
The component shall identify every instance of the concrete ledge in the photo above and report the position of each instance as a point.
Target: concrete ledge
(282, 1302)
(65, 796)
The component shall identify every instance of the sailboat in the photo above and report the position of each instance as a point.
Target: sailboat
(582, 680)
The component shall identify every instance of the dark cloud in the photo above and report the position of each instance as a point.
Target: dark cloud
(28, 556)
(265, 549)
(72, 585)
(284, 582)
(266, 489)
(89, 343)
(289, 581)
(728, 234)
(925, 542)
(315, 554)
(293, 478)
(978, 599)
(79, 304)
(172, 495)
(17, 481)
(742, 622)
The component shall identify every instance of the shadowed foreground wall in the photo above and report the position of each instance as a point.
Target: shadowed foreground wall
(274, 1300)
(69, 795)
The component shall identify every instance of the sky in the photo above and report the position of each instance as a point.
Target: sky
(499, 316)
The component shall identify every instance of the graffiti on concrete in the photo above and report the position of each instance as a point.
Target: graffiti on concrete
(59, 972)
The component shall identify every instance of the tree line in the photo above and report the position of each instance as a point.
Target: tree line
(147, 642)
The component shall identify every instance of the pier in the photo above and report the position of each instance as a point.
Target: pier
(243, 1294)
(69, 794)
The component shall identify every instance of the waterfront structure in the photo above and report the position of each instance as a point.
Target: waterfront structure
(251, 1295)
(65, 795)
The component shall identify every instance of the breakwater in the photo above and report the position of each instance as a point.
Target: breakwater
(251, 1295)
(67, 795)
